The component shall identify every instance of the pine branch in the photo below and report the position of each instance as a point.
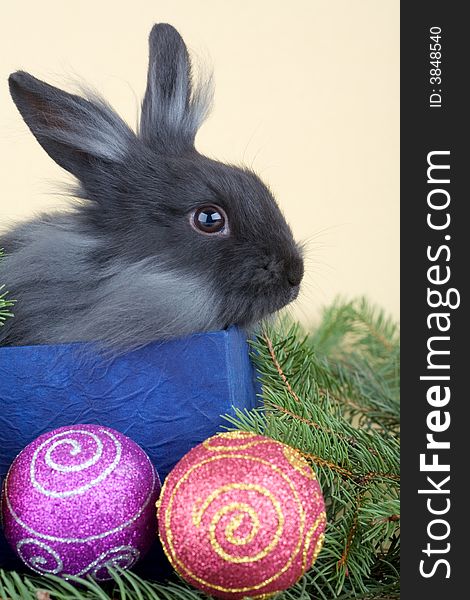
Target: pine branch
(362, 344)
(125, 586)
(333, 395)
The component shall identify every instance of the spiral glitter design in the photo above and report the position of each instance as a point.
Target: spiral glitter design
(237, 512)
(122, 557)
(241, 515)
(68, 448)
(36, 560)
(80, 499)
(242, 441)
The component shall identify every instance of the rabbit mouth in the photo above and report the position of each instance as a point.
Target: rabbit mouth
(261, 306)
(282, 300)
(294, 293)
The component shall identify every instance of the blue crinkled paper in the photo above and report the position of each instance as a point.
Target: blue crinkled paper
(167, 397)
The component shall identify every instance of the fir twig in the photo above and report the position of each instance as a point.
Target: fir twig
(346, 374)
(278, 367)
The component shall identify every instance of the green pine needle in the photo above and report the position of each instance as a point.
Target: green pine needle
(5, 303)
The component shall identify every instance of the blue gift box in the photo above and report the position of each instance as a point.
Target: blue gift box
(167, 396)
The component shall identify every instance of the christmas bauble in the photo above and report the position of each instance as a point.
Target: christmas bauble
(79, 499)
(241, 515)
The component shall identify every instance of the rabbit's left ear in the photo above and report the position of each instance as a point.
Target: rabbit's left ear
(172, 110)
(79, 134)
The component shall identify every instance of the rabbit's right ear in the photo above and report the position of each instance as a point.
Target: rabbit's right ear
(77, 133)
(173, 107)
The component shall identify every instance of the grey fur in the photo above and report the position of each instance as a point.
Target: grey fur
(174, 106)
(70, 127)
(121, 304)
(124, 266)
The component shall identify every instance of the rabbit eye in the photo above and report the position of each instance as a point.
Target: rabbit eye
(209, 219)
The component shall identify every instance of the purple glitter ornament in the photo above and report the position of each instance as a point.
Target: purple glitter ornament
(80, 499)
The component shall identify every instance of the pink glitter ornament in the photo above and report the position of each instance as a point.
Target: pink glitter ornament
(79, 499)
(241, 515)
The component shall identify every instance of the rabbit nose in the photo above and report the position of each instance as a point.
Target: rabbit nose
(295, 271)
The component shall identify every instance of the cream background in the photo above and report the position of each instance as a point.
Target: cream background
(307, 92)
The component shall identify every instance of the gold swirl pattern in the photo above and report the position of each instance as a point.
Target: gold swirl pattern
(210, 443)
(299, 463)
(318, 547)
(234, 435)
(184, 569)
(236, 522)
(320, 522)
(240, 508)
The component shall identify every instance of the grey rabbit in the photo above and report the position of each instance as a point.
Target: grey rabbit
(162, 241)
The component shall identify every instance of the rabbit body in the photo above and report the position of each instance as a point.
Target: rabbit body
(66, 294)
(163, 242)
